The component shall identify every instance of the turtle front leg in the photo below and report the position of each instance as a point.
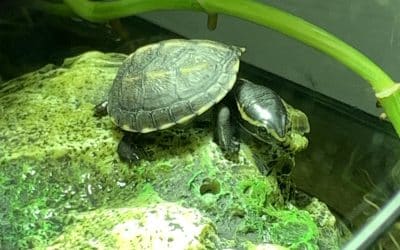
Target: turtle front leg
(224, 134)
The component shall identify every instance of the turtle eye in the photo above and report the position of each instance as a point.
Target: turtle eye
(262, 131)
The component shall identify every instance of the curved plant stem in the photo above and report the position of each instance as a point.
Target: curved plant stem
(267, 16)
(103, 11)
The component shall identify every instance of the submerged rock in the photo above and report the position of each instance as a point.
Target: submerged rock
(59, 171)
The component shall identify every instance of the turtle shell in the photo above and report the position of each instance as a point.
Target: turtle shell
(170, 82)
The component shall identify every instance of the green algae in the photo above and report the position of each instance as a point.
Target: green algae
(134, 228)
(107, 227)
(235, 195)
(58, 162)
(293, 228)
(50, 158)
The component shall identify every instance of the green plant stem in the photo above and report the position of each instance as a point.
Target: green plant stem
(103, 11)
(262, 14)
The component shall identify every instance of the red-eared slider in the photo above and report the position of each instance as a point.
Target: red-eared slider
(170, 82)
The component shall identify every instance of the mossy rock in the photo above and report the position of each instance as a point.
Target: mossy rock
(58, 163)
(153, 225)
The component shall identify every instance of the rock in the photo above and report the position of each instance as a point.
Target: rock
(332, 232)
(161, 225)
(59, 170)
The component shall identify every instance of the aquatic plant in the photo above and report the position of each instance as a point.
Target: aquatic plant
(386, 90)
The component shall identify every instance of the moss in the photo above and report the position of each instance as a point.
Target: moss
(254, 192)
(233, 194)
(134, 228)
(292, 228)
(55, 157)
(146, 195)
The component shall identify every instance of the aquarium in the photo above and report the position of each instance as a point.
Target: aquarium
(197, 124)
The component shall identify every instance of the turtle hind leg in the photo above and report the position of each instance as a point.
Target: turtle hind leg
(129, 151)
(100, 109)
(224, 134)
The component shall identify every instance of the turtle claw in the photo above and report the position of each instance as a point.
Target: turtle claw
(232, 151)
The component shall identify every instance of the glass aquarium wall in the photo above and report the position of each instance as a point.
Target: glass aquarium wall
(370, 26)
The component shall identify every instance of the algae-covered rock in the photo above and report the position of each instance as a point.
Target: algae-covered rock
(59, 170)
(327, 225)
(160, 225)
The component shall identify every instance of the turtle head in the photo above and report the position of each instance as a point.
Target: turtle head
(265, 128)
(270, 123)
(263, 112)
(266, 116)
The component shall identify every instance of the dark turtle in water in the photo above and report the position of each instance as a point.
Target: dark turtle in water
(173, 81)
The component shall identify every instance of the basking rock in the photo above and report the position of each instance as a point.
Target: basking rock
(60, 175)
(161, 225)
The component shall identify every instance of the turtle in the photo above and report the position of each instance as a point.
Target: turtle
(173, 81)
(261, 112)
